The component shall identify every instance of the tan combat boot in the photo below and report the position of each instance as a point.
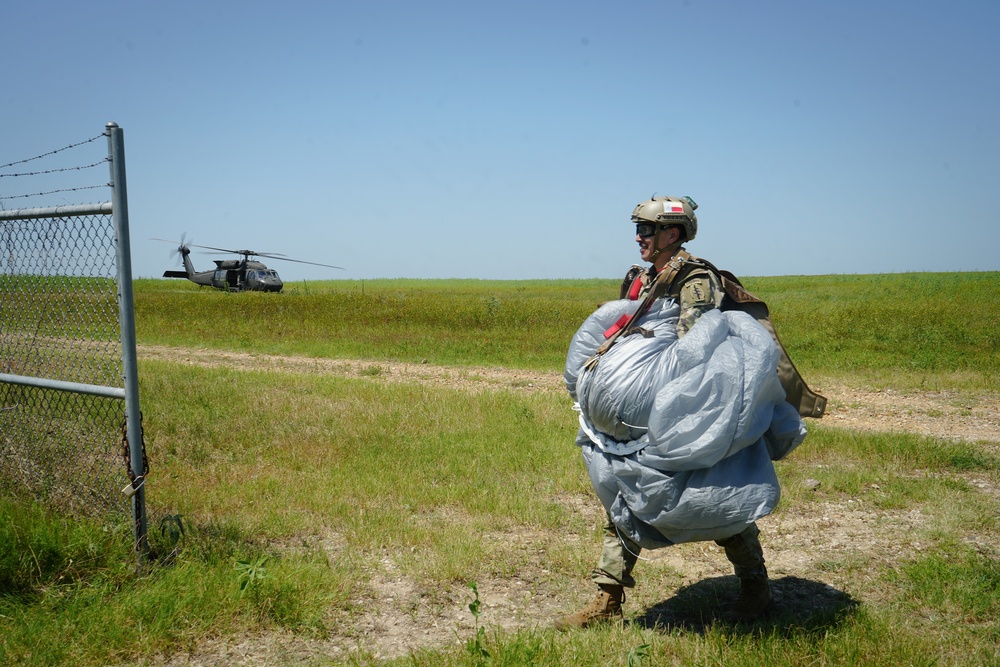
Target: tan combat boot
(754, 600)
(606, 606)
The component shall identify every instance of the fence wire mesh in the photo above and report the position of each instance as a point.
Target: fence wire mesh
(59, 321)
(62, 417)
(62, 448)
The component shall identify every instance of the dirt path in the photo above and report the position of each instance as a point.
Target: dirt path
(399, 617)
(937, 414)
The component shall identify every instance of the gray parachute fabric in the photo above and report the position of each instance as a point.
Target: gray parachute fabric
(678, 435)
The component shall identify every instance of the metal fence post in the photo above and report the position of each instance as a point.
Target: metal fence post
(133, 416)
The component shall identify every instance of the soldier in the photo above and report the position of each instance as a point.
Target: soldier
(663, 224)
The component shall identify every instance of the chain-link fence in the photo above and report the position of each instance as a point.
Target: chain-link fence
(67, 353)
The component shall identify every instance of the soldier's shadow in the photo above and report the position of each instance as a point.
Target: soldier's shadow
(798, 603)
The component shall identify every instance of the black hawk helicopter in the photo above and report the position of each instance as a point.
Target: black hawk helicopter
(234, 275)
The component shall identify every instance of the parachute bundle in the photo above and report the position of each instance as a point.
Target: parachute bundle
(678, 435)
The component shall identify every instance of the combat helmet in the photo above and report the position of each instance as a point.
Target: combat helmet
(664, 211)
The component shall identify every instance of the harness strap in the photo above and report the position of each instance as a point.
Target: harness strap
(664, 279)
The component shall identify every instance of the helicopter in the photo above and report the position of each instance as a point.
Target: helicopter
(234, 275)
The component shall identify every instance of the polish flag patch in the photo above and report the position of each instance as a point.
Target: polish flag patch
(672, 207)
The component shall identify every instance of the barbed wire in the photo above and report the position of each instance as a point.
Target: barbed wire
(4, 198)
(58, 150)
(52, 192)
(55, 171)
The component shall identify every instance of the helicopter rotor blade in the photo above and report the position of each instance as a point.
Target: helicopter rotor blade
(250, 253)
(205, 247)
(268, 255)
(181, 242)
(184, 240)
(208, 247)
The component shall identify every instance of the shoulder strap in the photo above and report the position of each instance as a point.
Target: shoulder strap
(628, 281)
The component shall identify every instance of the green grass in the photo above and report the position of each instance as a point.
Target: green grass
(356, 450)
(278, 499)
(519, 324)
(110, 614)
(911, 330)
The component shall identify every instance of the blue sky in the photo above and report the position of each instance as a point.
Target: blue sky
(511, 140)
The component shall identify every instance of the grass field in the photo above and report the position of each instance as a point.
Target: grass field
(382, 472)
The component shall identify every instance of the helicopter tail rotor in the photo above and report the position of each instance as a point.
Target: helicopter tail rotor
(183, 248)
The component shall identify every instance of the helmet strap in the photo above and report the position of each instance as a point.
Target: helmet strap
(672, 248)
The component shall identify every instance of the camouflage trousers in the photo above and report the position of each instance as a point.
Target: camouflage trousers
(619, 555)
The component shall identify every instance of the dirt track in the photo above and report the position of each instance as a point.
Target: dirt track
(937, 414)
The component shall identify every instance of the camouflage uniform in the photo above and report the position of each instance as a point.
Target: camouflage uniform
(700, 292)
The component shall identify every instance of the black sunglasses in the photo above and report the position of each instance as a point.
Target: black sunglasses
(647, 229)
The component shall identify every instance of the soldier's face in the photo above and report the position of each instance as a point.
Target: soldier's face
(659, 240)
